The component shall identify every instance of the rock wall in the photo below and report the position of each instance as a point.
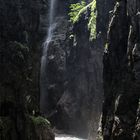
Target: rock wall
(104, 8)
(20, 38)
(121, 73)
(74, 73)
(83, 82)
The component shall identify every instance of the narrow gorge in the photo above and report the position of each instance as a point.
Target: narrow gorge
(69, 70)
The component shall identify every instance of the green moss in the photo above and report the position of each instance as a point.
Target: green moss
(39, 120)
(106, 48)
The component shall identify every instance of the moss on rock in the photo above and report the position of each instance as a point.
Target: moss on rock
(40, 120)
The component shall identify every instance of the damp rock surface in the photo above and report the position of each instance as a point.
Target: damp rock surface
(21, 32)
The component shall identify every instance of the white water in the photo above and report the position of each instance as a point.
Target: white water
(51, 26)
(43, 79)
(67, 137)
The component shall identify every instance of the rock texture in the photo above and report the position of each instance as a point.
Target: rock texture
(104, 8)
(83, 82)
(20, 37)
(74, 73)
(121, 73)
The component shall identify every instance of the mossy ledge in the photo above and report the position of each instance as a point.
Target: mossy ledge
(35, 128)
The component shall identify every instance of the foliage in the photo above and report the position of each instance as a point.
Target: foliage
(39, 120)
(106, 48)
(92, 20)
(76, 10)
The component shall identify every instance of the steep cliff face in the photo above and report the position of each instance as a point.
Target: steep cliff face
(84, 85)
(74, 73)
(20, 26)
(121, 73)
(104, 8)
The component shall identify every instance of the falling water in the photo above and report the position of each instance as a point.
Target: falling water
(51, 25)
(43, 79)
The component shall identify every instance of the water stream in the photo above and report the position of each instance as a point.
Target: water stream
(67, 137)
(43, 72)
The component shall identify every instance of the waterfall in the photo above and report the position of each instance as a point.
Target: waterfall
(51, 26)
(43, 74)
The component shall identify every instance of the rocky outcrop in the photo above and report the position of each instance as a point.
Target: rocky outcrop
(121, 73)
(20, 38)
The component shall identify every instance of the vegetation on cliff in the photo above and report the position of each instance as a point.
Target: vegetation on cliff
(74, 69)
(80, 8)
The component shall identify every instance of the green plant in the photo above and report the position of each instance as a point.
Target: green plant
(76, 10)
(106, 48)
(92, 20)
(39, 120)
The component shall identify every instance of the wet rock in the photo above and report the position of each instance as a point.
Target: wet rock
(77, 67)
(20, 41)
(121, 73)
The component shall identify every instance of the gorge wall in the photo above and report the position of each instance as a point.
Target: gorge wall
(74, 71)
(21, 31)
(121, 73)
(74, 74)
